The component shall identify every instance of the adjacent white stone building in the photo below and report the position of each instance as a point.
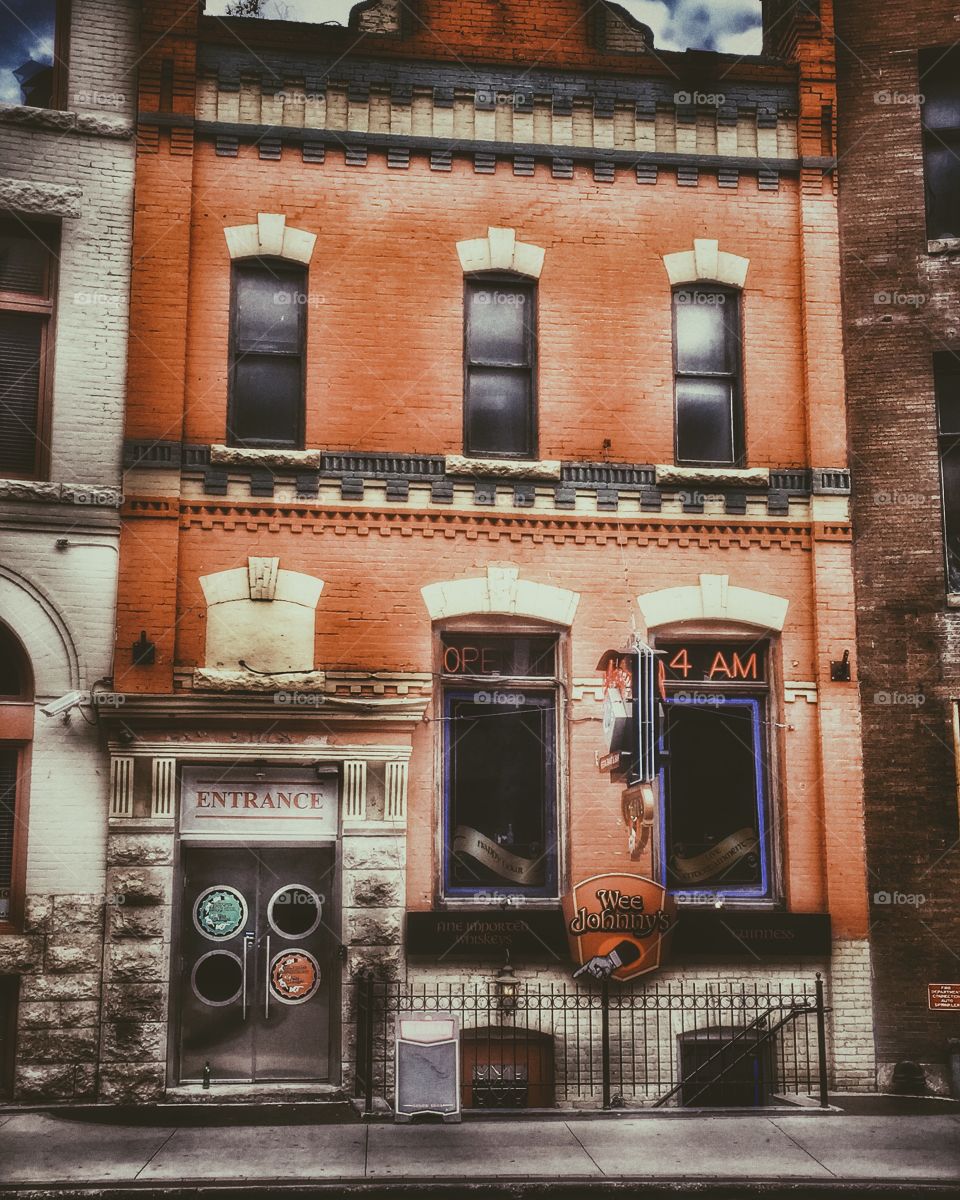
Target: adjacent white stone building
(66, 200)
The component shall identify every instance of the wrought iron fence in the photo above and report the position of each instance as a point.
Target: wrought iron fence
(549, 1044)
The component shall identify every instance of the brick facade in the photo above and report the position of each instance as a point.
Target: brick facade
(58, 563)
(609, 185)
(900, 300)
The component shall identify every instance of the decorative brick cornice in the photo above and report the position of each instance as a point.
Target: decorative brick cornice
(520, 527)
(609, 165)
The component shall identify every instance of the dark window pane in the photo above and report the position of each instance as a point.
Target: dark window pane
(500, 821)
(23, 260)
(943, 188)
(704, 420)
(940, 88)
(497, 323)
(27, 30)
(706, 331)
(14, 677)
(21, 340)
(950, 472)
(267, 396)
(498, 412)
(947, 375)
(9, 758)
(269, 309)
(713, 826)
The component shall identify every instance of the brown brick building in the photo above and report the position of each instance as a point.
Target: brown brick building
(899, 107)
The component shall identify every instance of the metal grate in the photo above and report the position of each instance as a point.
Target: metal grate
(560, 1043)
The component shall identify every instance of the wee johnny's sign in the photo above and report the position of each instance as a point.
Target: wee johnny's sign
(618, 926)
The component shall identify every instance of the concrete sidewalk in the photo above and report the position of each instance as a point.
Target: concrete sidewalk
(56, 1154)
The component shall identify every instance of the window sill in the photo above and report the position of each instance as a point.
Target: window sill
(953, 599)
(239, 456)
(59, 120)
(758, 477)
(502, 468)
(943, 246)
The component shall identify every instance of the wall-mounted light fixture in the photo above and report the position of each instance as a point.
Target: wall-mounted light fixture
(840, 669)
(508, 986)
(144, 651)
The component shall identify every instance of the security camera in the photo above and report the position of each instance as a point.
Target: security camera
(62, 706)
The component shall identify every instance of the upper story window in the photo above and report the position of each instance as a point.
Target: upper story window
(33, 46)
(716, 827)
(709, 413)
(267, 354)
(499, 765)
(947, 383)
(940, 85)
(27, 281)
(16, 731)
(500, 367)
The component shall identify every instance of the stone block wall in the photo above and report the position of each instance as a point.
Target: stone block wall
(136, 965)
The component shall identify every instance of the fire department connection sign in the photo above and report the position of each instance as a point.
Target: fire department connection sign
(618, 926)
(288, 802)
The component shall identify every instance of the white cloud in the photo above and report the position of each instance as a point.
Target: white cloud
(731, 26)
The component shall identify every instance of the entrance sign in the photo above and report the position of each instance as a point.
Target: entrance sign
(618, 926)
(943, 997)
(288, 802)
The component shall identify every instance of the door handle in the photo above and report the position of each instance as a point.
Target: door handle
(266, 981)
(247, 943)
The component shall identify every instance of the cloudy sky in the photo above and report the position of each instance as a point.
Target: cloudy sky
(26, 34)
(729, 25)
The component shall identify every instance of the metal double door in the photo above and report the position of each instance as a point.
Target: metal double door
(258, 963)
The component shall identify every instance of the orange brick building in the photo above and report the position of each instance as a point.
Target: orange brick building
(462, 351)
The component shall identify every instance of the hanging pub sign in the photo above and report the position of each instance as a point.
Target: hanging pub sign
(630, 714)
(618, 926)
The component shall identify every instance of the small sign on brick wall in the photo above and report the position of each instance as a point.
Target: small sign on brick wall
(943, 997)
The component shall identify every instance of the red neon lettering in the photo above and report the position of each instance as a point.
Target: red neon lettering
(719, 667)
(744, 670)
(681, 662)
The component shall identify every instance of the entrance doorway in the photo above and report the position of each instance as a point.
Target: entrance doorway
(258, 951)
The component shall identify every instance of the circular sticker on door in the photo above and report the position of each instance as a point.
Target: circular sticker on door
(219, 913)
(294, 976)
(217, 978)
(295, 910)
